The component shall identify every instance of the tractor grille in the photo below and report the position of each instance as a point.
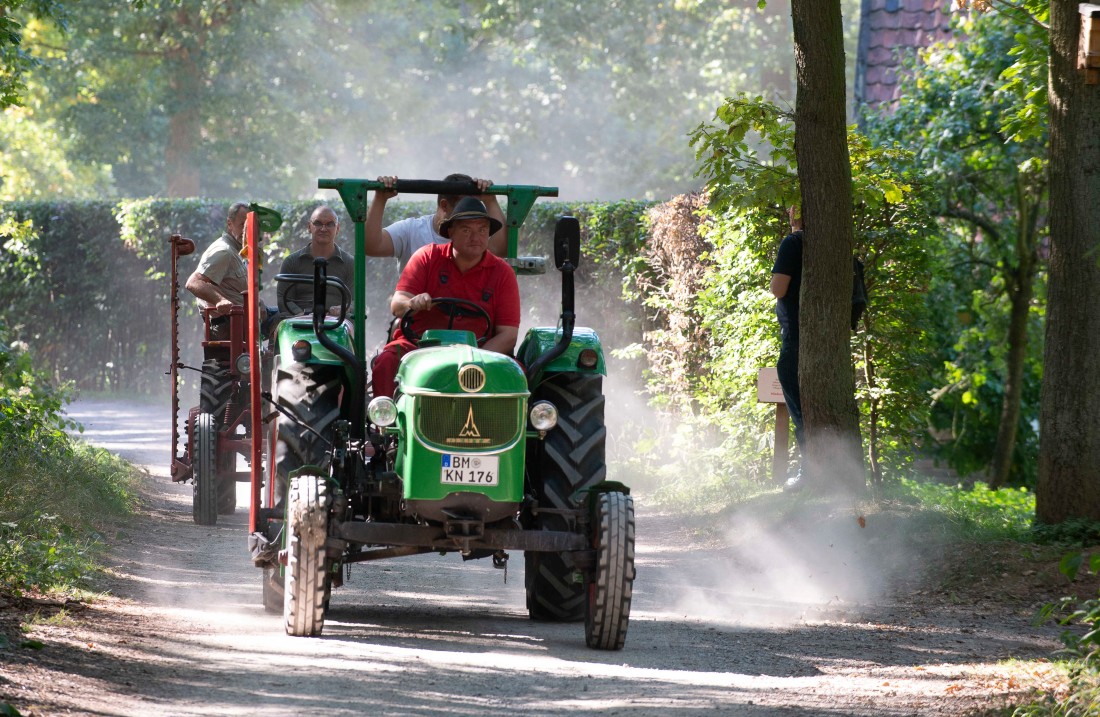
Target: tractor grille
(469, 423)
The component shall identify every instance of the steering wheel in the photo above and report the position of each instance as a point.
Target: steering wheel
(457, 307)
(336, 283)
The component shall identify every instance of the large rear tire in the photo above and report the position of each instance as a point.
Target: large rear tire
(570, 460)
(612, 584)
(204, 505)
(311, 393)
(307, 522)
(215, 389)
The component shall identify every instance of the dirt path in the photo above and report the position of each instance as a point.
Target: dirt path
(745, 621)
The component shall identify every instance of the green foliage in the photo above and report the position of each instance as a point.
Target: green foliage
(1076, 531)
(56, 492)
(990, 191)
(1081, 646)
(15, 61)
(978, 512)
(256, 95)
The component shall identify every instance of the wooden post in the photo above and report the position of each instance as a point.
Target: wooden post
(1088, 46)
(768, 390)
(781, 456)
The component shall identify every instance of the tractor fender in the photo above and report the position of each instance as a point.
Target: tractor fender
(541, 339)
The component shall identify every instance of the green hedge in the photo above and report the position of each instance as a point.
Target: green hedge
(87, 288)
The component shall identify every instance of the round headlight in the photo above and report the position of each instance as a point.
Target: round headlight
(301, 351)
(244, 364)
(382, 411)
(544, 415)
(588, 358)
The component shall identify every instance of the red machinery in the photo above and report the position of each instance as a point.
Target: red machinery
(229, 413)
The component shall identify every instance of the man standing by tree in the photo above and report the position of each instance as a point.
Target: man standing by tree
(786, 285)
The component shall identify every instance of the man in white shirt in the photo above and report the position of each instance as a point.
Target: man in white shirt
(402, 238)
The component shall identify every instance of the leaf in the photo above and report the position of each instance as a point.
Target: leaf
(32, 644)
(1070, 564)
(1094, 563)
(7, 710)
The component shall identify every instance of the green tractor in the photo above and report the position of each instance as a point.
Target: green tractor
(478, 453)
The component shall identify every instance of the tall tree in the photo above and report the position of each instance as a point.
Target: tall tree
(992, 190)
(1069, 444)
(825, 372)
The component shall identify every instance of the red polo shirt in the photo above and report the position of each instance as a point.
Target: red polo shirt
(491, 284)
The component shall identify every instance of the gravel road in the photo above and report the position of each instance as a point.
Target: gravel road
(739, 620)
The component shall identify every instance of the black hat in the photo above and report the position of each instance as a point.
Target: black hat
(469, 208)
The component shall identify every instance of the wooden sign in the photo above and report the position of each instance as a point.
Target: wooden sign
(768, 389)
(1088, 47)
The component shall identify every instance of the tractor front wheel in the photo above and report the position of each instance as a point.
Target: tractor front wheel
(570, 460)
(306, 577)
(611, 586)
(204, 507)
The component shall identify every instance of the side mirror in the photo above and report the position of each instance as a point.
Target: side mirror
(567, 241)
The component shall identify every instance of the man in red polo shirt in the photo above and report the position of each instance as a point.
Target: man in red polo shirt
(461, 269)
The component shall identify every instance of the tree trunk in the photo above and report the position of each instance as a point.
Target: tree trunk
(1069, 446)
(825, 371)
(1014, 380)
(1021, 290)
(185, 121)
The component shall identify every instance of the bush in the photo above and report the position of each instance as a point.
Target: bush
(56, 492)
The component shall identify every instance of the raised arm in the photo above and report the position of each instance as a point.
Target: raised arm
(377, 240)
(498, 243)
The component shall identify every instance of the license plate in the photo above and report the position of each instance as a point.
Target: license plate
(469, 470)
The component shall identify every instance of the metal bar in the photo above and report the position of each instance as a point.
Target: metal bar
(255, 447)
(359, 310)
(353, 192)
(384, 553)
(175, 337)
(430, 536)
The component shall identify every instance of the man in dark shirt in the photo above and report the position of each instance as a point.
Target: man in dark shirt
(296, 299)
(786, 285)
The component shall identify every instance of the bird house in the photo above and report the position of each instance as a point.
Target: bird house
(1088, 47)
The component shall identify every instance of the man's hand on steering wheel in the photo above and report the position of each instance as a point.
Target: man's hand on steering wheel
(456, 307)
(420, 302)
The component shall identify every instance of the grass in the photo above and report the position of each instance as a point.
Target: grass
(56, 496)
(977, 513)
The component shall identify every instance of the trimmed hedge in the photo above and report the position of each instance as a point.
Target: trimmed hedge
(88, 289)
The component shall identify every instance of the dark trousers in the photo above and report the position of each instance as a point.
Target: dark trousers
(787, 368)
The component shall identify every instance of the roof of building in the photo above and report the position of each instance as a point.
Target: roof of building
(889, 29)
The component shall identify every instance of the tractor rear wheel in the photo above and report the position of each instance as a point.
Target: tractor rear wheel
(570, 459)
(204, 506)
(307, 523)
(311, 393)
(612, 584)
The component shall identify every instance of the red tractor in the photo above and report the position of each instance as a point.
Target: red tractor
(220, 428)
